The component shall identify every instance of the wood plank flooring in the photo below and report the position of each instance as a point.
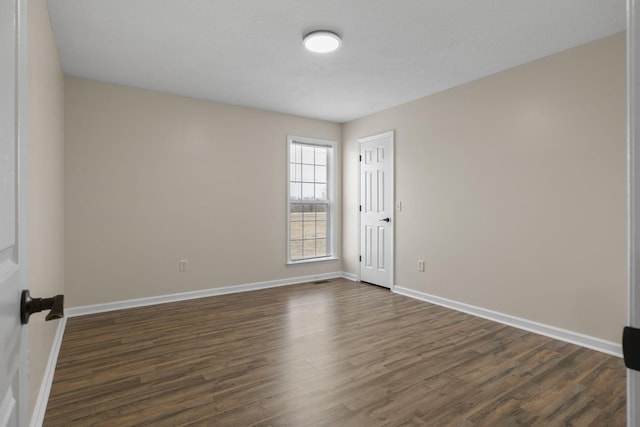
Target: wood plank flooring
(332, 354)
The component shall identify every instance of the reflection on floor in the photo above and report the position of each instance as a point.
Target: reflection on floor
(334, 354)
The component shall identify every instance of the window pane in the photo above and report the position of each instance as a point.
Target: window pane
(296, 217)
(307, 173)
(295, 229)
(321, 247)
(311, 214)
(309, 229)
(309, 248)
(307, 154)
(321, 229)
(296, 249)
(321, 174)
(294, 191)
(321, 191)
(298, 155)
(321, 156)
(294, 172)
(296, 208)
(307, 191)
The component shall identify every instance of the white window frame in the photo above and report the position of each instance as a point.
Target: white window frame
(331, 196)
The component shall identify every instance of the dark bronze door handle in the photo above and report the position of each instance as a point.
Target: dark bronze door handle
(29, 305)
(385, 219)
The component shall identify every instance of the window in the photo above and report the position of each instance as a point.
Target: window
(311, 212)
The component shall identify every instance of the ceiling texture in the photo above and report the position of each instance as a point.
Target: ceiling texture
(250, 52)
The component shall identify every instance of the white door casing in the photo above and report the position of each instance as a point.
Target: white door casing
(376, 220)
(13, 367)
(633, 119)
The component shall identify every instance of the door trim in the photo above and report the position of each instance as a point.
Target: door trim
(42, 399)
(22, 118)
(633, 197)
(390, 133)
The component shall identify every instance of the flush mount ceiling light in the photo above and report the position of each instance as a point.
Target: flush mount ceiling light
(322, 41)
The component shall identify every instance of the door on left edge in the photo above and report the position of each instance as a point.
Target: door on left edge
(12, 334)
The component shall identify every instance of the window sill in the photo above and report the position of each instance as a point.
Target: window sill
(312, 260)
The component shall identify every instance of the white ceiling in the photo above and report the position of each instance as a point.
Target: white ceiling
(250, 53)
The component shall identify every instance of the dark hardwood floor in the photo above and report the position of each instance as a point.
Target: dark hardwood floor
(332, 354)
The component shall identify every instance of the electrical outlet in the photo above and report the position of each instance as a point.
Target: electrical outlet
(182, 266)
(398, 206)
(420, 265)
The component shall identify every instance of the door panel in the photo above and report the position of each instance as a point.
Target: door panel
(376, 209)
(633, 88)
(12, 350)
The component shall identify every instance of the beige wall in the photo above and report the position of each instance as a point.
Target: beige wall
(153, 178)
(45, 180)
(513, 190)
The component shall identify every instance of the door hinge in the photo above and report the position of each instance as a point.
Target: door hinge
(360, 258)
(360, 208)
(360, 158)
(631, 347)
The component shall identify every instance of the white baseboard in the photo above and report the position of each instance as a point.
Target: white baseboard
(350, 276)
(141, 302)
(37, 417)
(587, 341)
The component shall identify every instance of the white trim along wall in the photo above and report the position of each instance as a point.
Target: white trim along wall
(37, 417)
(576, 338)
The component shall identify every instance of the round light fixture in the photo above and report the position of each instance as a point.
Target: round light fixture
(322, 41)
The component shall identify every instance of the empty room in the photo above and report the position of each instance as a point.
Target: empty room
(319, 213)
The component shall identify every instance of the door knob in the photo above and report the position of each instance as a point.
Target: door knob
(385, 219)
(29, 305)
(631, 347)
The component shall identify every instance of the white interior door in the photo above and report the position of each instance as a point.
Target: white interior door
(633, 88)
(376, 209)
(12, 334)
